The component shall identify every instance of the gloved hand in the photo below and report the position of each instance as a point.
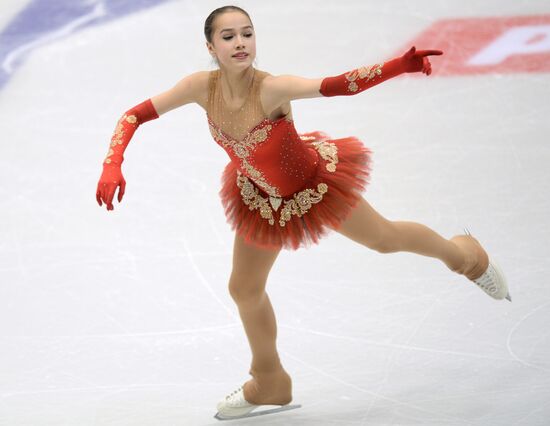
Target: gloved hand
(415, 61)
(360, 79)
(112, 178)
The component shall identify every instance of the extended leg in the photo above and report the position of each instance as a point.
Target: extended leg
(367, 227)
(462, 253)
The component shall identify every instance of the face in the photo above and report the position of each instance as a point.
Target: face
(233, 41)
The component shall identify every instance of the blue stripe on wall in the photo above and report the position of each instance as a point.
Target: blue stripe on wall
(42, 19)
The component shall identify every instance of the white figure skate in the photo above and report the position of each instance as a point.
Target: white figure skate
(492, 281)
(234, 406)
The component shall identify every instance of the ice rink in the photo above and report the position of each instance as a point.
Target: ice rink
(124, 317)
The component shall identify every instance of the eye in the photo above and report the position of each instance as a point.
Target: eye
(228, 37)
(248, 35)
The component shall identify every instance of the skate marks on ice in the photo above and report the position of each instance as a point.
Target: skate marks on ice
(377, 395)
(278, 409)
(530, 341)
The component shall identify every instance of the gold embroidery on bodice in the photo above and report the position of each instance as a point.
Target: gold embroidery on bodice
(240, 132)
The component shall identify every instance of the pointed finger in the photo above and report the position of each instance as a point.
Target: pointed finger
(429, 52)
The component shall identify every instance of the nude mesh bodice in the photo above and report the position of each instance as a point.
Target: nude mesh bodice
(235, 123)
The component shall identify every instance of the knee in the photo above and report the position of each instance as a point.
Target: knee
(387, 241)
(383, 247)
(246, 289)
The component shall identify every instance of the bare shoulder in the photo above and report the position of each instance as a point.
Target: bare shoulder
(270, 96)
(199, 81)
(192, 88)
(270, 82)
(200, 77)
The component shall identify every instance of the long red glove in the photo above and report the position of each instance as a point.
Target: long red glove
(112, 178)
(357, 80)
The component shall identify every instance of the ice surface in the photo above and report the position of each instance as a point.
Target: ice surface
(124, 317)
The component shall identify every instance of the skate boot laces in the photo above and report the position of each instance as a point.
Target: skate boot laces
(236, 398)
(488, 281)
(492, 281)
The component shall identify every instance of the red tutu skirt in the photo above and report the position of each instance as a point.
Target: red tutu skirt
(340, 194)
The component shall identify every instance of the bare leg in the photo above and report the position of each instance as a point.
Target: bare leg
(367, 227)
(251, 266)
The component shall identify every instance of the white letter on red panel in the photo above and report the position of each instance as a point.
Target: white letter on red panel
(516, 41)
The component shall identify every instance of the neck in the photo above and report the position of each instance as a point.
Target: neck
(237, 82)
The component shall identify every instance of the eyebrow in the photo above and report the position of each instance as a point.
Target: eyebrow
(231, 29)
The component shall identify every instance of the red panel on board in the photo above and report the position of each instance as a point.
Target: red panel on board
(488, 45)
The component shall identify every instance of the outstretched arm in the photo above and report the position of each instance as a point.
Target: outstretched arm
(286, 87)
(189, 89)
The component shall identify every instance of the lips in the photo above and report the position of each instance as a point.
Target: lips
(240, 55)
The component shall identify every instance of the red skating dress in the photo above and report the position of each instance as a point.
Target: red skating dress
(282, 189)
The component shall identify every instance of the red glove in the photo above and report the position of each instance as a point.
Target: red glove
(363, 78)
(112, 178)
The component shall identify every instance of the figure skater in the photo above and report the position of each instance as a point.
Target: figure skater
(286, 190)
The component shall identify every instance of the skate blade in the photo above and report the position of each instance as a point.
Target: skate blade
(258, 413)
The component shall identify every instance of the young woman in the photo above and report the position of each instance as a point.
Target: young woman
(282, 189)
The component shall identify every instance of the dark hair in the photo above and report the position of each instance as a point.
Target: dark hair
(209, 23)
